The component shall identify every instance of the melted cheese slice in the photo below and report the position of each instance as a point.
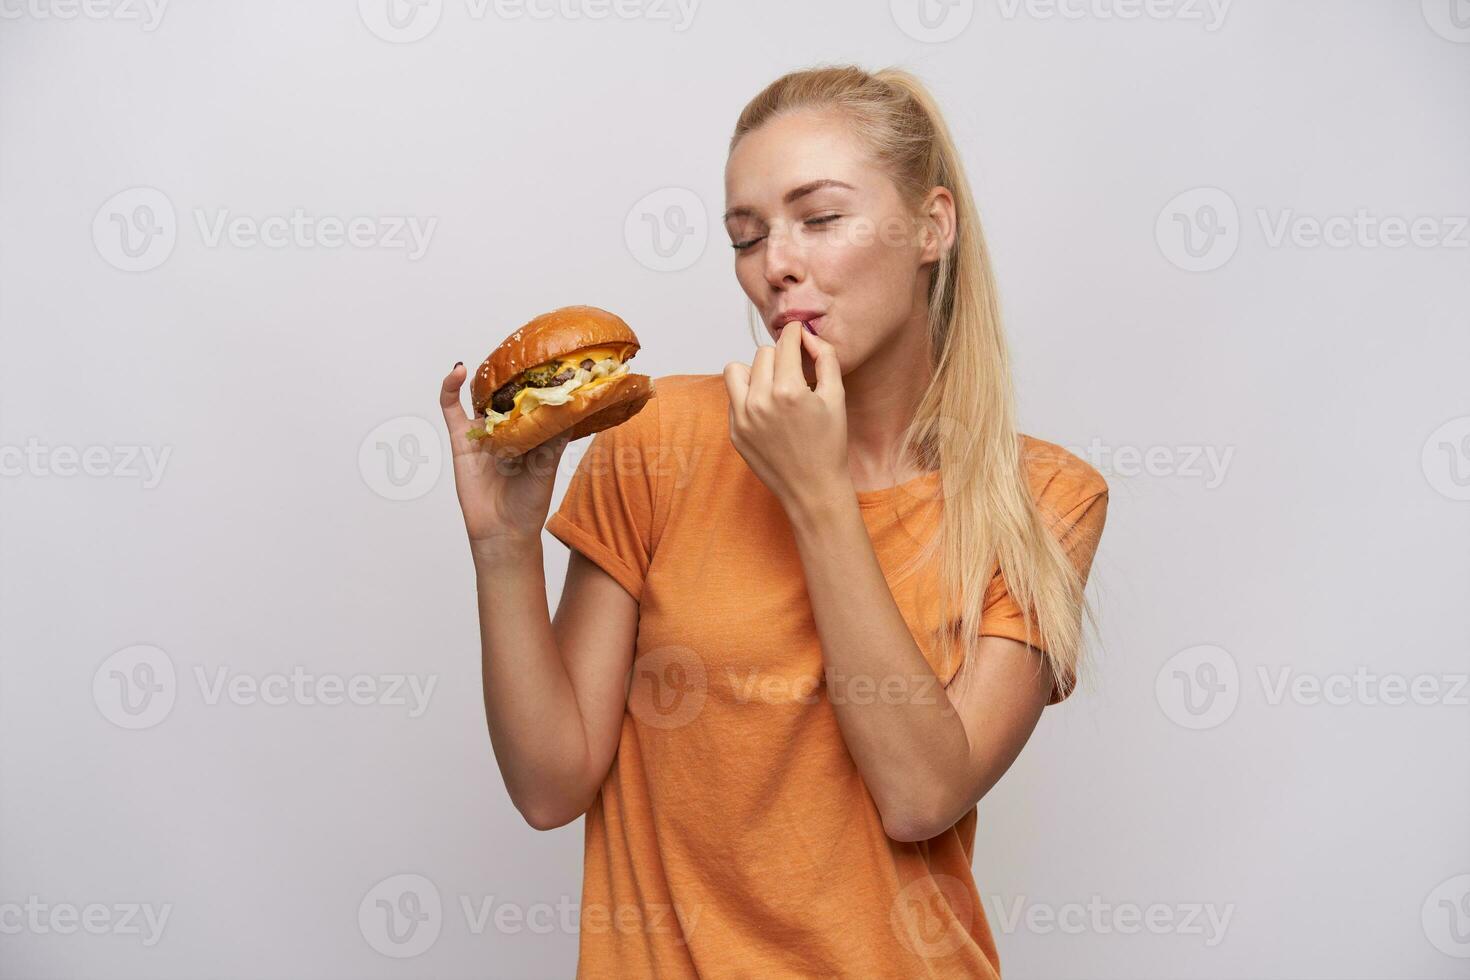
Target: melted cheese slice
(576, 357)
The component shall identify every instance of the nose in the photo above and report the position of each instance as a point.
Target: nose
(785, 259)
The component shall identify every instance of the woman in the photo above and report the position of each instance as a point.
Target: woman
(749, 689)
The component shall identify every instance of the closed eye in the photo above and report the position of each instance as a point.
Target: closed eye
(824, 219)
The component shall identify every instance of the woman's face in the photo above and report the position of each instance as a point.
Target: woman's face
(823, 229)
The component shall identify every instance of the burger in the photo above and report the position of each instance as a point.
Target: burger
(563, 372)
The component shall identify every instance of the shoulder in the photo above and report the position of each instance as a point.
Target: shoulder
(1059, 478)
(676, 398)
(685, 394)
(687, 408)
(687, 418)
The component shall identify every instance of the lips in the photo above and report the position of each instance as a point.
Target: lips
(813, 317)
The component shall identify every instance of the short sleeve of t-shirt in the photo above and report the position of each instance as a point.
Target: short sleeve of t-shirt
(1078, 529)
(607, 511)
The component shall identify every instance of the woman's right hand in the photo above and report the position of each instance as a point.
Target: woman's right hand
(501, 499)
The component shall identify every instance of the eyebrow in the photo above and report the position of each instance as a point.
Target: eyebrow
(794, 194)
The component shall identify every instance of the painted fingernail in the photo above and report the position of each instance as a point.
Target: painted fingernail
(457, 364)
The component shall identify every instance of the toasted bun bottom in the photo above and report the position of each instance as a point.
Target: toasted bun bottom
(589, 410)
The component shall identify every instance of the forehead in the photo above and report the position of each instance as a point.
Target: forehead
(789, 151)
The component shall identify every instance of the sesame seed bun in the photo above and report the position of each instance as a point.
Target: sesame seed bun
(553, 336)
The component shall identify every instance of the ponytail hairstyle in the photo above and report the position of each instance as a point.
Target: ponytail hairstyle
(965, 421)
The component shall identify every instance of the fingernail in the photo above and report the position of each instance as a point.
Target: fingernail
(456, 364)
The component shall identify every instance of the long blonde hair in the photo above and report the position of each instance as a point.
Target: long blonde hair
(965, 421)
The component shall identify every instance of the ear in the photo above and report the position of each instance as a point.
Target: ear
(939, 228)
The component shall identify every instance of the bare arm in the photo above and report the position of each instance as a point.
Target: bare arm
(554, 692)
(925, 755)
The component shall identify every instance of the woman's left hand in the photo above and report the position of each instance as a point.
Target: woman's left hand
(793, 437)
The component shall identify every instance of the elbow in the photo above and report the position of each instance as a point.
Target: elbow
(910, 831)
(903, 833)
(548, 819)
(922, 820)
(913, 825)
(550, 816)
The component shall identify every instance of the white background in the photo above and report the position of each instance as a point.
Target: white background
(1332, 379)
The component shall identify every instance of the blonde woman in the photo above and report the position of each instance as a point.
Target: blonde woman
(815, 604)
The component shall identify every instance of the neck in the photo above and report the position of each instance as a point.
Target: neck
(882, 395)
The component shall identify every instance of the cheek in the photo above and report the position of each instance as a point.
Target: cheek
(865, 278)
(749, 276)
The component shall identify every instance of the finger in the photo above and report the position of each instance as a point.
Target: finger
(829, 371)
(737, 385)
(455, 416)
(545, 459)
(787, 372)
(762, 371)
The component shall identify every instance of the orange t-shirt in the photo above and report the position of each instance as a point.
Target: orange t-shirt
(734, 836)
